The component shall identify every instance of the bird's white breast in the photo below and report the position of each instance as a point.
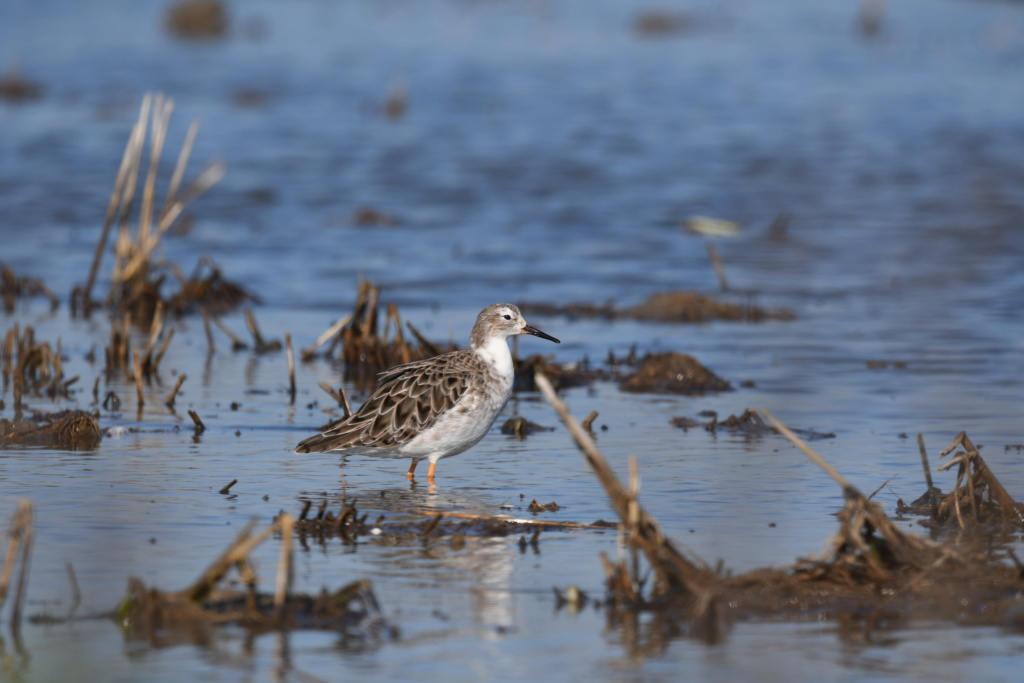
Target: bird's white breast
(495, 353)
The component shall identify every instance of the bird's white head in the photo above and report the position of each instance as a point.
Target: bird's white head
(501, 321)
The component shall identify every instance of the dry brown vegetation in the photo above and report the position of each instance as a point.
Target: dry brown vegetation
(140, 279)
(31, 367)
(369, 342)
(14, 287)
(871, 566)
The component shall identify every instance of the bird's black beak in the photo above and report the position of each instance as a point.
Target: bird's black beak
(537, 333)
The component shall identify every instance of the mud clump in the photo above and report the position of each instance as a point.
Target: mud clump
(691, 307)
(74, 430)
(661, 24)
(197, 19)
(369, 217)
(672, 373)
(16, 88)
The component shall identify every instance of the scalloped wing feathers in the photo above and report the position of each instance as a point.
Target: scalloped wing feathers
(409, 400)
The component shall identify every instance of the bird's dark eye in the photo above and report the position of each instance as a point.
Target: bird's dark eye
(508, 317)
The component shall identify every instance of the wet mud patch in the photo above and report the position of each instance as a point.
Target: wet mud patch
(664, 307)
(197, 19)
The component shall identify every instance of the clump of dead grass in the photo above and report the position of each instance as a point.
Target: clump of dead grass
(140, 277)
(31, 367)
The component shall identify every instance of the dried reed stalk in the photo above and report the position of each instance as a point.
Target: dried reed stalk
(174, 392)
(856, 544)
(20, 545)
(673, 571)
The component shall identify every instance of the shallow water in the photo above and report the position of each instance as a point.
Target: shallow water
(548, 153)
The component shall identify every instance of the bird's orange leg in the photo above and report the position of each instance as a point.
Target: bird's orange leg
(411, 474)
(430, 472)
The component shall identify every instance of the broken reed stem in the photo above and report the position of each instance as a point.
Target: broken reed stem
(163, 349)
(284, 565)
(254, 330)
(76, 592)
(327, 334)
(179, 168)
(927, 476)
(716, 263)
(226, 489)
(672, 569)
(210, 345)
(157, 134)
(238, 551)
(331, 392)
(815, 458)
(174, 392)
(155, 329)
(588, 421)
(20, 544)
(431, 525)
(138, 377)
(200, 427)
(345, 405)
(291, 365)
(423, 341)
(236, 343)
(108, 220)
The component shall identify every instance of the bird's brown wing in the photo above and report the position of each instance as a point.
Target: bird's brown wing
(409, 399)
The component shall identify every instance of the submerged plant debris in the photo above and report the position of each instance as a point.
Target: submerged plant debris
(169, 617)
(74, 430)
(14, 287)
(350, 527)
(664, 307)
(520, 427)
(748, 422)
(31, 367)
